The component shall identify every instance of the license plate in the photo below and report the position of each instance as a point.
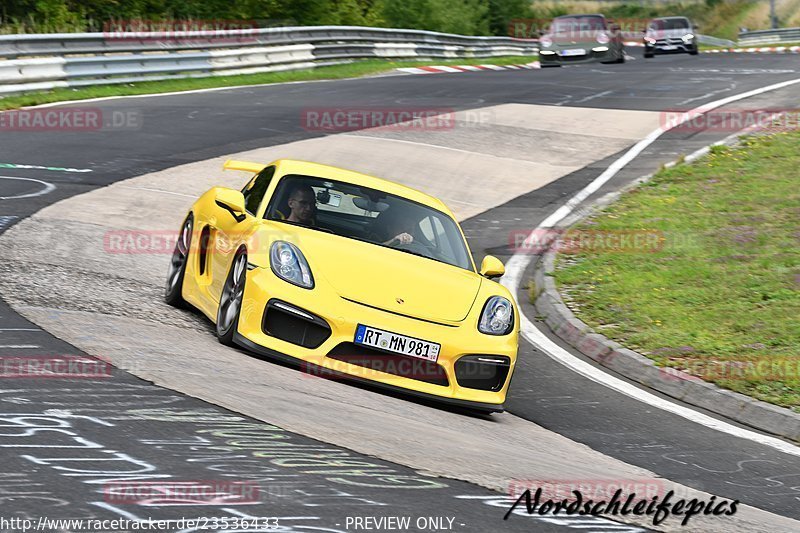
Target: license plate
(395, 343)
(573, 52)
(669, 47)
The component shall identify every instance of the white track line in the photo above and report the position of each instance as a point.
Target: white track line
(20, 346)
(519, 262)
(48, 187)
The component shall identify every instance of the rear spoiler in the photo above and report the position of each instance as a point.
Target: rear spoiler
(245, 166)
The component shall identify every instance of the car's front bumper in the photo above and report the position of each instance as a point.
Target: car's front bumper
(671, 46)
(337, 352)
(593, 55)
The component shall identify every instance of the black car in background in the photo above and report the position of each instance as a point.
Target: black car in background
(581, 39)
(670, 35)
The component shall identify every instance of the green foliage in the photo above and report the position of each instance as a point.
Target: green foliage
(502, 12)
(471, 17)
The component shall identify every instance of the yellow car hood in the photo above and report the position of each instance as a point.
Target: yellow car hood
(390, 279)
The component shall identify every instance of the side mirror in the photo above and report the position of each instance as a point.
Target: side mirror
(232, 201)
(492, 267)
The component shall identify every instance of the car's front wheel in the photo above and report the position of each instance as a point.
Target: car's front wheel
(173, 292)
(230, 301)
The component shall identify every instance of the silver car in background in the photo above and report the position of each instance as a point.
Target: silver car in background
(670, 35)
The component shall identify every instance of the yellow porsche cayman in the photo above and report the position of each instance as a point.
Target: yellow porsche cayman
(350, 275)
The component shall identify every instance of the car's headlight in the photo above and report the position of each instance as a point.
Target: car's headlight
(497, 317)
(288, 263)
(603, 38)
(688, 37)
(546, 42)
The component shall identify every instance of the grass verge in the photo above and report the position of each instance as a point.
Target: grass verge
(719, 297)
(772, 45)
(348, 70)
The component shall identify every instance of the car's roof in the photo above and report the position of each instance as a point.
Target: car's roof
(581, 15)
(307, 168)
(670, 18)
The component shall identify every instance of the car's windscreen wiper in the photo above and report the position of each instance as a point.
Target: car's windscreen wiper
(293, 223)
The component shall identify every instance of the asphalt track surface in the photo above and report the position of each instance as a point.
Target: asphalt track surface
(184, 128)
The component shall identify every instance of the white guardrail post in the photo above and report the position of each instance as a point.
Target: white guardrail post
(46, 61)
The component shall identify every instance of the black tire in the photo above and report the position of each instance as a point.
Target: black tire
(230, 301)
(694, 52)
(173, 291)
(648, 56)
(621, 58)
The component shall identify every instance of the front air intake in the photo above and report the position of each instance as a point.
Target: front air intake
(295, 325)
(482, 372)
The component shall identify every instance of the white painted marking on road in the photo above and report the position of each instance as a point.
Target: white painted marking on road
(41, 167)
(48, 187)
(177, 93)
(20, 346)
(158, 190)
(703, 97)
(20, 329)
(6, 220)
(518, 263)
(593, 96)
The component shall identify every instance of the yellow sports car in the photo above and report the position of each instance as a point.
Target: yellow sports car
(349, 275)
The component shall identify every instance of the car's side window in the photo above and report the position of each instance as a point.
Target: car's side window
(254, 191)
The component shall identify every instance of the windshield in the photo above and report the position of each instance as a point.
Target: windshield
(669, 24)
(577, 26)
(369, 215)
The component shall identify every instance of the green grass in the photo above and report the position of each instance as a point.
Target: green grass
(768, 45)
(722, 296)
(348, 70)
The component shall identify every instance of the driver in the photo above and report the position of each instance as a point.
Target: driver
(303, 205)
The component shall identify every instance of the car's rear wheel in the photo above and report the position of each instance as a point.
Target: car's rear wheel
(230, 301)
(648, 55)
(173, 292)
(621, 58)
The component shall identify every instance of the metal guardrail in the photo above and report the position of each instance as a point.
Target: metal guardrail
(782, 35)
(46, 61)
(715, 41)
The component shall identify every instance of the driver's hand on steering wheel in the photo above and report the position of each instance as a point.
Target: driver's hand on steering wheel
(402, 238)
